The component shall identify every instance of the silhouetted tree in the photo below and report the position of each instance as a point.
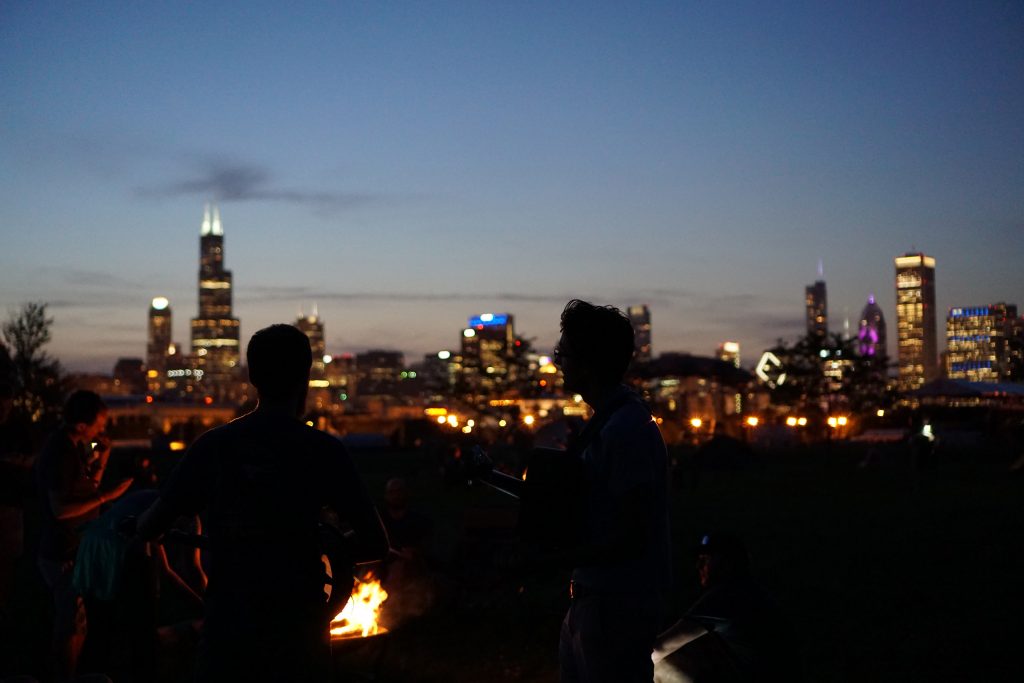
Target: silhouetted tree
(38, 378)
(860, 386)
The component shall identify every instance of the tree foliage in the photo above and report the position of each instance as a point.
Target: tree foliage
(37, 377)
(859, 383)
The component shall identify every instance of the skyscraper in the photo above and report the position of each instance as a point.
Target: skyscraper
(978, 342)
(215, 332)
(871, 337)
(158, 344)
(729, 352)
(915, 320)
(816, 300)
(313, 327)
(488, 348)
(640, 317)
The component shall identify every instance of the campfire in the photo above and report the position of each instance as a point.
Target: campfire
(360, 617)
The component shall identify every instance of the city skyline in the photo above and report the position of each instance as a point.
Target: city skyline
(404, 168)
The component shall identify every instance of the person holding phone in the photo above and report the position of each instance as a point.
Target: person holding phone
(68, 473)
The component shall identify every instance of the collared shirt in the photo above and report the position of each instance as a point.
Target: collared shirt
(628, 452)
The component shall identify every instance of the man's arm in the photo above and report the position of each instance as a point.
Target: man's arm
(65, 507)
(348, 497)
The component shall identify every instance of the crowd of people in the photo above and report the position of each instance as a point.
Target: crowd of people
(253, 494)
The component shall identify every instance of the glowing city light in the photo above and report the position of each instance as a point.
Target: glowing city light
(880, 413)
(160, 303)
(752, 421)
(328, 358)
(791, 421)
(529, 420)
(696, 422)
(469, 332)
(445, 355)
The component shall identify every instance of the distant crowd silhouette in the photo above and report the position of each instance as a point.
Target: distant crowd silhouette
(237, 530)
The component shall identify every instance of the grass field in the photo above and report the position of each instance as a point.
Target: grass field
(886, 576)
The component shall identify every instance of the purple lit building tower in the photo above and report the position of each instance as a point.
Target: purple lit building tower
(871, 340)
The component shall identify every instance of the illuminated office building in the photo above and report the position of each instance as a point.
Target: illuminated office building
(729, 352)
(215, 332)
(871, 337)
(915, 320)
(978, 342)
(488, 347)
(313, 327)
(130, 376)
(158, 344)
(640, 317)
(379, 372)
(816, 300)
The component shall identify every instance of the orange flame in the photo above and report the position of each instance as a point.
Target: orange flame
(361, 615)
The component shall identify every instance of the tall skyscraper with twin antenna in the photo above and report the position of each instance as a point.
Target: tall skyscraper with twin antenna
(215, 332)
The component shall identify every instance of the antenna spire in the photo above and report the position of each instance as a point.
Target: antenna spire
(821, 270)
(217, 229)
(206, 220)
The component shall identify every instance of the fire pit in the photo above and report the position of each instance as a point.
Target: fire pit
(360, 618)
(357, 638)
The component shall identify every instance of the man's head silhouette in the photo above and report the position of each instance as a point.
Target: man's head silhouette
(596, 346)
(279, 359)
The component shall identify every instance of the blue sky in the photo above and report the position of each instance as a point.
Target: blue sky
(406, 165)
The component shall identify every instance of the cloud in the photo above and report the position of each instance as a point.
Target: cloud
(291, 293)
(235, 181)
(77, 277)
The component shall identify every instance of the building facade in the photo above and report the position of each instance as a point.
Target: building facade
(215, 331)
(871, 334)
(488, 351)
(158, 344)
(313, 327)
(640, 317)
(979, 342)
(915, 321)
(816, 302)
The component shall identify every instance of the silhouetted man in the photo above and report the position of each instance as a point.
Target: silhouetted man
(68, 472)
(622, 568)
(263, 481)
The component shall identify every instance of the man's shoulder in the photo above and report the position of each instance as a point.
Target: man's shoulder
(633, 414)
(57, 447)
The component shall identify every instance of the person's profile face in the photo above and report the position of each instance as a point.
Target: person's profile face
(569, 364)
(90, 430)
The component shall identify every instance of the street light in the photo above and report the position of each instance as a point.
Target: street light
(696, 422)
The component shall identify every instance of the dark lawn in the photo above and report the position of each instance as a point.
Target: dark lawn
(885, 578)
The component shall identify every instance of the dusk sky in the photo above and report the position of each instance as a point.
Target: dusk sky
(407, 165)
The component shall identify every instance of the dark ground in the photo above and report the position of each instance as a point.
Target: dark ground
(886, 576)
